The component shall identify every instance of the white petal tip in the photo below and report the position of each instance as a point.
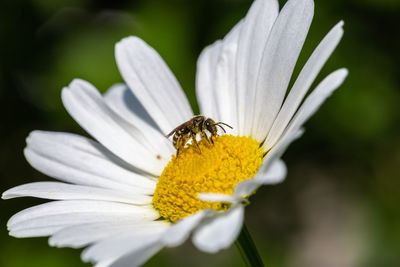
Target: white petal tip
(29, 138)
(344, 71)
(52, 243)
(77, 84)
(207, 249)
(338, 29)
(57, 244)
(219, 232)
(14, 234)
(128, 41)
(341, 75)
(7, 195)
(65, 93)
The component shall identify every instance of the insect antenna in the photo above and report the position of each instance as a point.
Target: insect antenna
(223, 123)
(219, 125)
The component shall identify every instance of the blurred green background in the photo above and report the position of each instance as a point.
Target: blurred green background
(340, 204)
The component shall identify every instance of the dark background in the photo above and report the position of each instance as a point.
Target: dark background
(340, 204)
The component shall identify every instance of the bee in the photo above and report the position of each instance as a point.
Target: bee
(190, 129)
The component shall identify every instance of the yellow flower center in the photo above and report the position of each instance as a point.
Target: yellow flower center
(218, 168)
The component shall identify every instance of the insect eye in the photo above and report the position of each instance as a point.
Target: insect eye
(209, 122)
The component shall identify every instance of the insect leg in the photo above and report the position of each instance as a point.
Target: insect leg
(193, 135)
(180, 143)
(209, 140)
(176, 141)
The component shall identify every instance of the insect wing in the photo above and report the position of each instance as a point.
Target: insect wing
(182, 126)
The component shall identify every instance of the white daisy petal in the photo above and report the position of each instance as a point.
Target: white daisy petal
(304, 81)
(315, 100)
(225, 80)
(215, 79)
(152, 82)
(180, 231)
(75, 206)
(205, 80)
(105, 263)
(270, 173)
(124, 243)
(78, 236)
(86, 105)
(280, 55)
(70, 212)
(245, 189)
(51, 224)
(124, 102)
(62, 191)
(219, 232)
(121, 99)
(135, 258)
(279, 148)
(66, 173)
(253, 38)
(79, 160)
(35, 231)
(214, 197)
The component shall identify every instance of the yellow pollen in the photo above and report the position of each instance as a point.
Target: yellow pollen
(217, 169)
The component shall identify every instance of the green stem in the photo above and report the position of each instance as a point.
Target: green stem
(248, 249)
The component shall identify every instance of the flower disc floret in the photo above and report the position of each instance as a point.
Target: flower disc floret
(218, 168)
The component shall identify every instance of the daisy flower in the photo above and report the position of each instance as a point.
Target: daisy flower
(124, 195)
